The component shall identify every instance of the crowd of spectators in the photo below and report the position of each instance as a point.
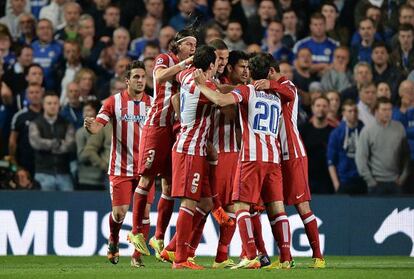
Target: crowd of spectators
(352, 61)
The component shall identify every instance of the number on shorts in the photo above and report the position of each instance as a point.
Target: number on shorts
(150, 159)
(194, 184)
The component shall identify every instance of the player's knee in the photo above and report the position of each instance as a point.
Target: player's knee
(276, 207)
(206, 204)
(303, 208)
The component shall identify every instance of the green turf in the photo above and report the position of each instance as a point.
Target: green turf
(98, 267)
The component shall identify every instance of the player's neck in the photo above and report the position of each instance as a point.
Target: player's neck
(319, 123)
(35, 108)
(136, 96)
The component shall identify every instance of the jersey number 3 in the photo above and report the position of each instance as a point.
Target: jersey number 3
(267, 119)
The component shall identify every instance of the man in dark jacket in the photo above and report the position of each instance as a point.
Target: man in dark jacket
(52, 138)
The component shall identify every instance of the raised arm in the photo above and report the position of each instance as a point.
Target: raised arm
(285, 88)
(163, 74)
(215, 97)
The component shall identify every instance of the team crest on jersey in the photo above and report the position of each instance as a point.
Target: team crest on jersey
(327, 51)
(159, 61)
(51, 54)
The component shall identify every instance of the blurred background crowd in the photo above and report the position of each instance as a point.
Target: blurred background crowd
(352, 62)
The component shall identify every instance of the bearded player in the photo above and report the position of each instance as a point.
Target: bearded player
(127, 111)
(157, 140)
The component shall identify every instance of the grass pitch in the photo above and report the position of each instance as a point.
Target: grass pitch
(99, 267)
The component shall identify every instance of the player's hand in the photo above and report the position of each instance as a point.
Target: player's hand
(212, 154)
(189, 60)
(87, 123)
(199, 77)
(262, 84)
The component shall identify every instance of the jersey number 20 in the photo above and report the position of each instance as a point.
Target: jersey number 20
(267, 119)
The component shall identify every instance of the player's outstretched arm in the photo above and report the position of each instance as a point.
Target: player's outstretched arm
(286, 90)
(163, 74)
(221, 100)
(91, 125)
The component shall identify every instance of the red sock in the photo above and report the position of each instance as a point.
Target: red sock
(136, 254)
(281, 233)
(184, 223)
(138, 209)
(165, 210)
(172, 246)
(146, 226)
(311, 228)
(258, 235)
(114, 228)
(199, 220)
(246, 232)
(226, 235)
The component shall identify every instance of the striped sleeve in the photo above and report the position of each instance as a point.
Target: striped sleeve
(107, 111)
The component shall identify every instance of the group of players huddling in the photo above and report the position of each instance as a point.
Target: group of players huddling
(189, 134)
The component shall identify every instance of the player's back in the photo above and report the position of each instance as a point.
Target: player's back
(195, 113)
(260, 114)
(161, 112)
(290, 141)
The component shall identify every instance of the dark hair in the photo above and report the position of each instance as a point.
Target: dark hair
(259, 65)
(406, 27)
(50, 93)
(204, 56)
(289, 10)
(320, 97)
(19, 49)
(95, 104)
(236, 55)
(380, 44)
(317, 15)
(348, 102)
(233, 20)
(152, 44)
(277, 22)
(27, 69)
(218, 44)
(329, 3)
(382, 100)
(369, 19)
(181, 35)
(136, 64)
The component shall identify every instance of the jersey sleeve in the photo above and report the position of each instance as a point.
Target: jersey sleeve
(107, 111)
(240, 93)
(162, 61)
(285, 88)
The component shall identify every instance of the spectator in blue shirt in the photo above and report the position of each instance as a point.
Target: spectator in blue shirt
(341, 152)
(73, 111)
(46, 52)
(149, 34)
(405, 115)
(321, 46)
(272, 43)
(362, 51)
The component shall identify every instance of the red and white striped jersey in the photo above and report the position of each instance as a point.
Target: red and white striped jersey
(161, 112)
(195, 112)
(224, 130)
(290, 141)
(128, 118)
(260, 114)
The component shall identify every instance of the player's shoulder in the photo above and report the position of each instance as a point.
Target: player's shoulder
(162, 59)
(332, 42)
(302, 43)
(147, 99)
